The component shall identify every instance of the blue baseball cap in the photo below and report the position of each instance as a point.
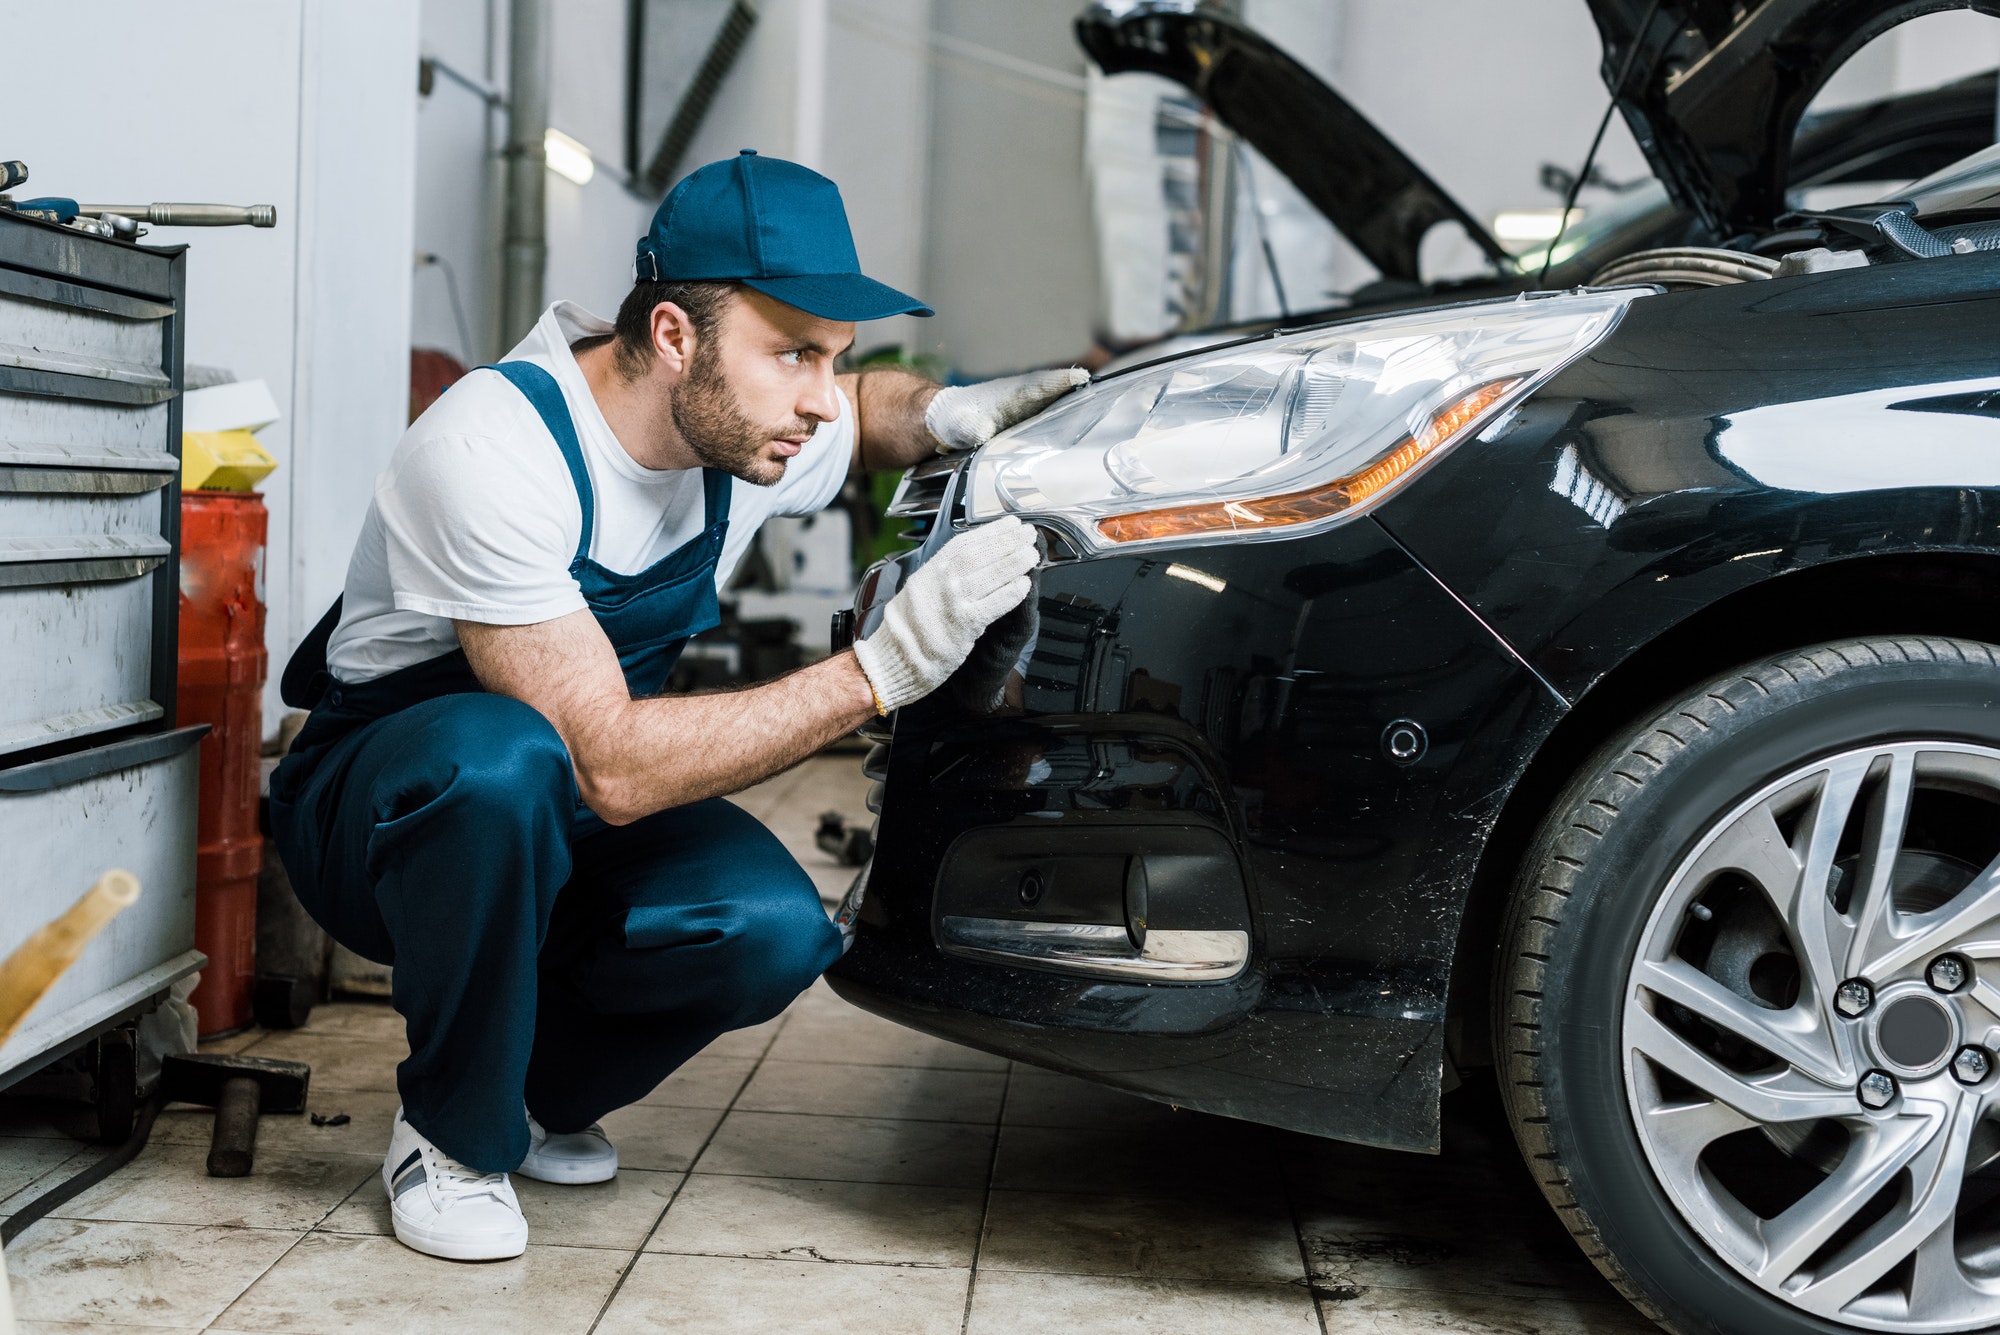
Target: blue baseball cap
(772, 225)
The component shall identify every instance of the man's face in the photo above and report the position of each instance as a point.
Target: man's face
(755, 391)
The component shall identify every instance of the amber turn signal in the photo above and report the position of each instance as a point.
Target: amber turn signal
(1321, 502)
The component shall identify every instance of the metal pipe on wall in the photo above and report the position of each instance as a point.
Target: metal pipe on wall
(525, 251)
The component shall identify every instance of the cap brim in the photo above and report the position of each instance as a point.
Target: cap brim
(840, 296)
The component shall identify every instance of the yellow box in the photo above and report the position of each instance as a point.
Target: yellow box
(223, 461)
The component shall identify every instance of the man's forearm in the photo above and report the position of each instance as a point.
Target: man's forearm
(667, 751)
(889, 408)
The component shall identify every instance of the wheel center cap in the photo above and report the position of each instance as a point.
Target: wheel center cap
(1914, 1032)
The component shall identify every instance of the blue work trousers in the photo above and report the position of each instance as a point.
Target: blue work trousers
(539, 954)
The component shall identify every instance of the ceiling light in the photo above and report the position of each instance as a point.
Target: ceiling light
(567, 157)
(1518, 225)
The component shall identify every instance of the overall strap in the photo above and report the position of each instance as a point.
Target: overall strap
(715, 493)
(546, 396)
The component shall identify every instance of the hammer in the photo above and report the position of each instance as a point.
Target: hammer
(239, 1088)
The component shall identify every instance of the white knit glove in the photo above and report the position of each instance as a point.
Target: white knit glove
(967, 416)
(932, 623)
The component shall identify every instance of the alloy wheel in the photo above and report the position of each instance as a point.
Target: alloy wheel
(1810, 1033)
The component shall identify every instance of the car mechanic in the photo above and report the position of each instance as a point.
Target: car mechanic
(491, 794)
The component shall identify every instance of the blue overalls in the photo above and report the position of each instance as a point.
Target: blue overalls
(538, 952)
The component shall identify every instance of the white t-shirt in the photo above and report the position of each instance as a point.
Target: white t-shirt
(476, 518)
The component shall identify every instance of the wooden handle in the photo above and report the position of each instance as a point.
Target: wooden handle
(34, 967)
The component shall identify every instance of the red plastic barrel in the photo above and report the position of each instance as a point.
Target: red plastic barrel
(222, 666)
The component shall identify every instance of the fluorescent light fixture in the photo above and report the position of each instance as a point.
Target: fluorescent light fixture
(1522, 225)
(1201, 577)
(567, 157)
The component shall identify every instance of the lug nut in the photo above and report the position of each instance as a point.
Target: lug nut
(1947, 973)
(1971, 1065)
(1853, 998)
(1877, 1090)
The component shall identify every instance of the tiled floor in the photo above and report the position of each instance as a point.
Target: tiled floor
(826, 1172)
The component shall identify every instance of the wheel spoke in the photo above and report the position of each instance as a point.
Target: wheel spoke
(1684, 1130)
(1783, 1096)
(1980, 1003)
(1754, 847)
(1794, 1035)
(1936, 1174)
(1821, 934)
(1878, 1151)
(1873, 909)
(1923, 934)
(1939, 1285)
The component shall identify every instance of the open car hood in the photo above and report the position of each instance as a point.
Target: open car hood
(1382, 202)
(1715, 88)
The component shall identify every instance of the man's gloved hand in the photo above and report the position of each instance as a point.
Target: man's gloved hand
(967, 416)
(932, 623)
(981, 686)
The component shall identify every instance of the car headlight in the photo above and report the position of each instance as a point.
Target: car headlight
(1284, 435)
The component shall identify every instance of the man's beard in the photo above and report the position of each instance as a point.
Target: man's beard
(718, 432)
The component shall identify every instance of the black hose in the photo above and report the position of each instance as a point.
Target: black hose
(1597, 140)
(75, 1186)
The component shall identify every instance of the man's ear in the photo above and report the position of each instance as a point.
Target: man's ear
(673, 337)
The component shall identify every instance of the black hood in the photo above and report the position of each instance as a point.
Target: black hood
(1715, 88)
(1382, 202)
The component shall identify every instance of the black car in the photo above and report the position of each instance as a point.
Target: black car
(1599, 685)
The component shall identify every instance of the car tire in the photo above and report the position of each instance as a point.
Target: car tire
(1599, 883)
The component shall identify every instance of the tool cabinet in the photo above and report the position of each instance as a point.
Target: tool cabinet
(93, 774)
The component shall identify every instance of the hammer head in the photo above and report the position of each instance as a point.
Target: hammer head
(199, 1077)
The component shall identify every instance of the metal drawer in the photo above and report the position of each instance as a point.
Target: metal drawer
(64, 823)
(78, 433)
(62, 338)
(76, 609)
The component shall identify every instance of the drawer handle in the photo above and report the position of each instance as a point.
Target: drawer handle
(103, 571)
(43, 775)
(79, 481)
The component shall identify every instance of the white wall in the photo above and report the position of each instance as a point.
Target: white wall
(223, 101)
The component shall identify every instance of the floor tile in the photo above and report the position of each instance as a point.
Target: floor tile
(703, 1082)
(85, 1327)
(1004, 1304)
(923, 1093)
(1044, 1098)
(369, 1114)
(373, 1020)
(332, 1283)
(339, 1062)
(745, 1044)
(1229, 1238)
(27, 1162)
(365, 1211)
(1195, 1156)
(850, 1149)
(617, 1214)
(1448, 1251)
(718, 1295)
(229, 1044)
(136, 1274)
(856, 1036)
(659, 1139)
(1414, 1312)
(822, 1221)
(820, 997)
(169, 1184)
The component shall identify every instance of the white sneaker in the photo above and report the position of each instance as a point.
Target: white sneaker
(442, 1208)
(580, 1156)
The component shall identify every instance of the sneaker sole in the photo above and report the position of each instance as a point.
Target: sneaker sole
(423, 1240)
(569, 1172)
